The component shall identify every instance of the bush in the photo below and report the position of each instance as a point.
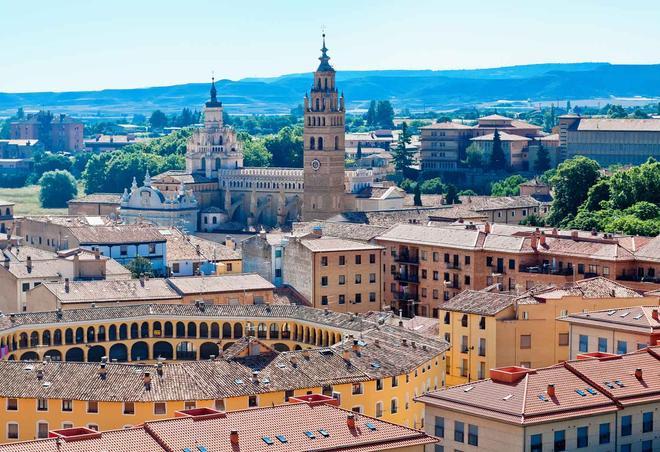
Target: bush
(57, 188)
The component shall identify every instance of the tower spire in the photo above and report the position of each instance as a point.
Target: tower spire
(214, 95)
(325, 65)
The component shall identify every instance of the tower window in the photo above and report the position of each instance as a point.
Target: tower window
(311, 143)
(336, 143)
(320, 143)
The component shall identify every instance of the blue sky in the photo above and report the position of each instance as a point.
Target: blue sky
(94, 44)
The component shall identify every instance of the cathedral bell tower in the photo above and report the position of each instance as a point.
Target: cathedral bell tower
(323, 145)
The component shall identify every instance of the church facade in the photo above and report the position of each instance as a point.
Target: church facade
(232, 197)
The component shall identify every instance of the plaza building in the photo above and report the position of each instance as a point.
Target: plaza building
(232, 197)
(88, 366)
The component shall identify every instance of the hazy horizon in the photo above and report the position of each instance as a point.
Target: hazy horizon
(85, 45)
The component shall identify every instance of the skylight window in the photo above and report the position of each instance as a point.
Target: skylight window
(201, 448)
(268, 440)
(507, 397)
(370, 426)
(186, 449)
(310, 435)
(638, 316)
(468, 389)
(581, 392)
(625, 314)
(611, 313)
(543, 398)
(619, 383)
(375, 365)
(238, 381)
(591, 391)
(608, 384)
(282, 439)
(324, 433)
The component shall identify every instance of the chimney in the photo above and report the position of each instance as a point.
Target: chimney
(294, 361)
(40, 374)
(377, 342)
(58, 313)
(534, 242)
(255, 376)
(542, 239)
(346, 354)
(28, 264)
(638, 373)
(317, 231)
(356, 346)
(97, 253)
(594, 232)
(142, 279)
(413, 344)
(654, 315)
(229, 243)
(487, 227)
(404, 342)
(103, 371)
(67, 287)
(350, 420)
(159, 369)
(233, 437)
(554, 231)
(574, 235)
(262, 234)
(305, 354)
(551, 390)
(146, 379)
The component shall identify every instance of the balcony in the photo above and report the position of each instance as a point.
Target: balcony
(452, 284)
(639, 278)
(453, 265)
(546, 270)
(406, 278)
(405, 296)
(405, 258)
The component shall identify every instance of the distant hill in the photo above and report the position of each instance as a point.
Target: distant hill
(414, 89)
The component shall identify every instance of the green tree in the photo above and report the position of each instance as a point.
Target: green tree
(433, 186)
(451, 197)
(139, 119)
(617, 111)
(507, 187)
(467, 192)
(542, 162)
(639, 183)
(401, 155)
(140, 266)
(47, 161)
(56, 188)
(497, 157)
(571, 185)
(370, 117)
(158, 120)
(408, 185)
(286, 147)
(533, 220)
(639, 114)
(568, 106)
(598, 192)
(358, 153)
(255, 153)
(385, 114)
(474, 157)
(417, 198)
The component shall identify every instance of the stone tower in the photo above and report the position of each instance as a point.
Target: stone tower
(323, 145)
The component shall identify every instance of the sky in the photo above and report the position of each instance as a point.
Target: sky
(76, 45)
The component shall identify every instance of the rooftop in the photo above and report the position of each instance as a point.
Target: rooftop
(637, 318)
(479, 302)
(503, 136)
(181, 176)
(220, 283)
(329, 244)
(354, 231)
(301, 426)
(619, 125)
(109, 198)
(581, 388)
(112, 290)
(117, 234)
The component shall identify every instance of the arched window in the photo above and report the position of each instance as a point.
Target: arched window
(112, 333)
(180, 329)
(192, 329)
(203, 330)
(134, 330)
(80, 335)
(318, 103)
(320, 143)
(311, 143)
(323, 120)
(57, 337)
(123, 332)
(101, 333)
(144, 329)
(168, 329)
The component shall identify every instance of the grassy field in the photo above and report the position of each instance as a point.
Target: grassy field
(27, 201)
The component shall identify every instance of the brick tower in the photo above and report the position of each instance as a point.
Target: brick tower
(323, 145)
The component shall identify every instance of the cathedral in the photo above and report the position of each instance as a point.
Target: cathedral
(229, 196)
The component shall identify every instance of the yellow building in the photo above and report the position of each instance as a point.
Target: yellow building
(599, 403)
(493, 329)
(312, 421)
(616, 330)
(250, 356)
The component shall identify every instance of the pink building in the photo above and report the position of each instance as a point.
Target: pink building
(57, 133)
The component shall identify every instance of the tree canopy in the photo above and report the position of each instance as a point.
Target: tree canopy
(57, 188)
(507, 187)
(401, 155)
(571, 184)
(497, 157)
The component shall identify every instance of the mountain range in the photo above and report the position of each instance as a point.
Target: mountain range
(413, 89)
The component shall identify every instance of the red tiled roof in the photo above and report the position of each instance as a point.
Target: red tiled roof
(582, 388)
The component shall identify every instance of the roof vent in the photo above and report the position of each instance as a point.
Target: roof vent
(159, 369)
(638, 374)
(40, 374)
(146, 379)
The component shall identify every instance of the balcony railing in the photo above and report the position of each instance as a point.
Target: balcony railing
(638, 278)
(453, 265)
(406, 259)
(405, 296)
(406, 277)
(546, 270)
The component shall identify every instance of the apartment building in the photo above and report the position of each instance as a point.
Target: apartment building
(617, 330)
(249, 356)
(425, 266)
(489, 328)
(312, 421)
(443, 145)
(598, 403)
(56, 132)
(6, 216)
(122, 242)
(25, 268)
